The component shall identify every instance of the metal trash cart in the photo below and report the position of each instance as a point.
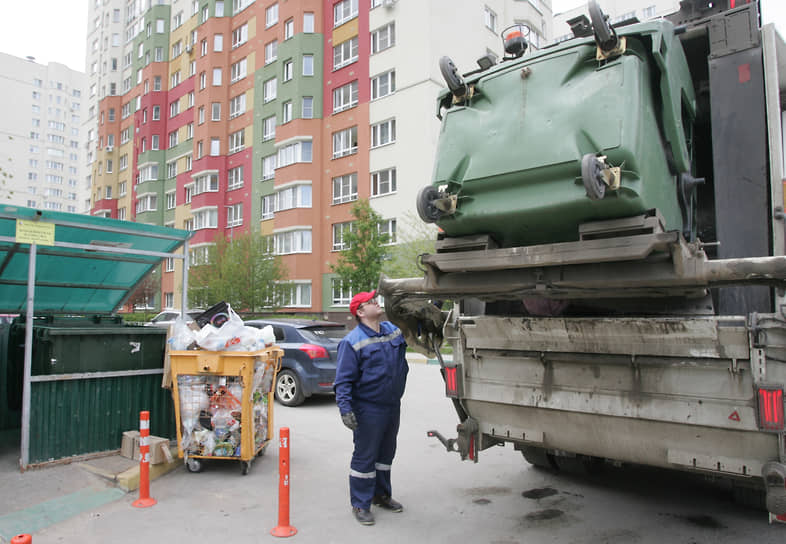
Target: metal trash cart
(223, 404)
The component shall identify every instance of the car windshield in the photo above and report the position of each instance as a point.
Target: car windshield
(323, 334)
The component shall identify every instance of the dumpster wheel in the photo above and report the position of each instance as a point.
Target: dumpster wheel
(244, 466)
(193, 465)
(592, 176)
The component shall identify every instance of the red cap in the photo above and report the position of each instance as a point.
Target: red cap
(359, 299)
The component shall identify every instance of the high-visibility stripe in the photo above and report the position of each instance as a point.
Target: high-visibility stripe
(366, 475)
(380, 466)
(357, 346)
(144, 424)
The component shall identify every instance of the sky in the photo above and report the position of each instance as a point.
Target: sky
(59, 34)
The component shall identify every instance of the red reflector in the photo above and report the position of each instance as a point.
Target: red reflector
(472, 447)
(514, 34)
(771, 409)
(314, 352)
(451, 385)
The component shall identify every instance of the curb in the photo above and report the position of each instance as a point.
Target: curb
(128, 480)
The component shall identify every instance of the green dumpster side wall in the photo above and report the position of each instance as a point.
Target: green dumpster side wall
(76, 417)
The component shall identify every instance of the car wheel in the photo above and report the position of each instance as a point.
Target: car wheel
(289, 391)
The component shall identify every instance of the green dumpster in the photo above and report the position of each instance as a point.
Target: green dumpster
(510, 153)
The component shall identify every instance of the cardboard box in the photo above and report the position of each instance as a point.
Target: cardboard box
(129, 446)
(159, 450)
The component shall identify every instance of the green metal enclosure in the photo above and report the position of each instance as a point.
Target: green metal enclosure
(74, 376)
(511, 152)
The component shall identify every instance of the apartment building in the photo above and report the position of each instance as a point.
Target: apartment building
(275, 117)
(618, 11)
(42, 159)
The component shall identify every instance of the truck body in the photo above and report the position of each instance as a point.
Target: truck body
(617, 286)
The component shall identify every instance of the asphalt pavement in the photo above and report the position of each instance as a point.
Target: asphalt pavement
(500, 500)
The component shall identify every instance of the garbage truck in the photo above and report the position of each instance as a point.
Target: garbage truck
(610, 214)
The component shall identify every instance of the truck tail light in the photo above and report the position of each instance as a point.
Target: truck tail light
(314, 352)
(453, 381)
(770, 409)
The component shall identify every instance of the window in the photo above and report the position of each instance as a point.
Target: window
(383, 38)
(238, 70)
(288, 68)
(489, 19)
(296, 196)
(157, 83)
(345, 53)
(298, 294)
(383, 84)
(237, 141)
(268, 128)
(215, 109)
(237, 105)
(286, 116)
(342, 292)
(268, 207)
(171, 170)
(340, 230)
(156, 113)
(293, 153)
(308, 107)
(205, 183)
(383, 182)
(240, 36)
(269, 90)
(268, 167)
(308, 65)
(123, 163)
(271, 15)
(201, 114)
(217, 76)
(289, 28)
(648, 12)
(205, 218)
(344, 11)
(271, 51)
(388, 226)
(173, 140)
(345, 188)
(174, 108)
(215, 147)
(293, 241)
(383, 133)
(235, 215)
(203, 48)
(190, 99)
(235, 178)
(147, 203)
(218, 42)
(159, 54)
(219, 8)
(308, 22)
(169, 298)
(154, 145)
(345, 97)
(345, 142)
(202, 80)
(170, 200)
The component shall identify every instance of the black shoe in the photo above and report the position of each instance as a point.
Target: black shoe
(388, 503)
(365, 517)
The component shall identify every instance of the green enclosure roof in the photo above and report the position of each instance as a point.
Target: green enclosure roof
(84, 264)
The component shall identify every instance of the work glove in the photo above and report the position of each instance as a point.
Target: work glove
(350, 420)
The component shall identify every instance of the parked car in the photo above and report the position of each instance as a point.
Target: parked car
(309, 363)
(168, 317)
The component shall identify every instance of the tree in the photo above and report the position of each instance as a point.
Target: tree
(415, 239)
(242, 271)
(361, 263)
(144, 294)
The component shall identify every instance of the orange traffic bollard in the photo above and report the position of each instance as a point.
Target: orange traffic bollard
(144, 499)
(284, 528)
(22, 539)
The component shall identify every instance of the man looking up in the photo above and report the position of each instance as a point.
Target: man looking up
(371, 374)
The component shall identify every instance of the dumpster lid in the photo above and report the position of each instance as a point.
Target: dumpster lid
(83, 265)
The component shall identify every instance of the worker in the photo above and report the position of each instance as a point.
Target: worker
(371, 374)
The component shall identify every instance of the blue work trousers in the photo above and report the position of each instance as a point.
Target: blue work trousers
(375, 447)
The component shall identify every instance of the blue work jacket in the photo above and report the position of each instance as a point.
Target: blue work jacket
(372, 367)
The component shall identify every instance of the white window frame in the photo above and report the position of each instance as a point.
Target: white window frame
(383, 182)
(235, 178)
(271, 15)
(383, 133)
(345, 142)
(235, 215)
(268, 128)
(345, 97)
(383, 38)
(383, 85)
(237, 141)
(345, 53)
(344, 11)
(345, 188)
